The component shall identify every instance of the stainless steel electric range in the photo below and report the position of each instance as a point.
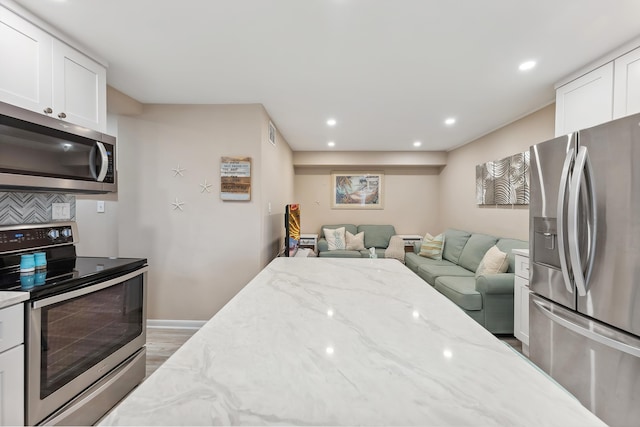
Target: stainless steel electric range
(85, 323)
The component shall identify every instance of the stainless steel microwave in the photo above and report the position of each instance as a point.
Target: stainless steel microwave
(41, 153)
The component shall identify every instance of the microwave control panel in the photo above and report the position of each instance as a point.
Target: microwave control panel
(110, 177)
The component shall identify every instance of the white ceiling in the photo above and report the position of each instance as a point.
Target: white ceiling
(389, 71)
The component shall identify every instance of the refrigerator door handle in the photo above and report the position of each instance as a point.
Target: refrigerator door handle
(582, 169)
(562, 196)
(556, 316)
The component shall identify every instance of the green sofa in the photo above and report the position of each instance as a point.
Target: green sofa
(487, 298)
(376, 236)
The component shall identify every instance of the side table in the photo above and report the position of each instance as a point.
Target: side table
(309, 241)
(410, 240)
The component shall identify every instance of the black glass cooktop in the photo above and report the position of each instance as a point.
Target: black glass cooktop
(67, 274)
(64, 270)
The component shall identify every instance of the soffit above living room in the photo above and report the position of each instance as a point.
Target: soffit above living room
(388, 72)
(360, 159)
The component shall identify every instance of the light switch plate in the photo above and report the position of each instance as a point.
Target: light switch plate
(100, 206)
(60, 211)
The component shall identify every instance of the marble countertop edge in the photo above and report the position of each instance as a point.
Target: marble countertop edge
(9, 298)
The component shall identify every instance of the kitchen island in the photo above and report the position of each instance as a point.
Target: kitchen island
(330, 341)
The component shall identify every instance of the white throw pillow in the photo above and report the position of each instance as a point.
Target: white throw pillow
(395, 249)
(355, 243)
(335, 238)
(432, 247)
(494, 261)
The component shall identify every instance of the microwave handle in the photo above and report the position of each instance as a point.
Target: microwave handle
(104, 164)
(105, 161)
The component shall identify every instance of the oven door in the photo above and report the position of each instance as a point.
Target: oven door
(78, 337)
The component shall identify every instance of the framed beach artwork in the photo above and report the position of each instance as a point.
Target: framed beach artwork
(357, 190)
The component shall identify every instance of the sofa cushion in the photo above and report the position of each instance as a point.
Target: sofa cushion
(431, 272)
(431, 247)
(335, 238)
(460, 290)
(377, 236)
(473, 252)
(395, 249)
(355, 243)
(494, 261)
(341, 253)
(507, 246)
(347, 227)
(413, 261)
(454, 243)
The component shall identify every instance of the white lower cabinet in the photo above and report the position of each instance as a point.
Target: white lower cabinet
(521, 301)
(12, 365)
(12, 387)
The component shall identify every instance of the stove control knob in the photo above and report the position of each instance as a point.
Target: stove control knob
(53, 234)
(66, 232)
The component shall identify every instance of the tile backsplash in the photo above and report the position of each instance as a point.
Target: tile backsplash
(31, 208)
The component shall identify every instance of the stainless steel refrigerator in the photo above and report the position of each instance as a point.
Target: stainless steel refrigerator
(585, 266)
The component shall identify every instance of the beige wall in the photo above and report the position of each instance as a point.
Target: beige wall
(457, 180)
(411, 197)
(202, 256)
(98, 232)
(276, 190)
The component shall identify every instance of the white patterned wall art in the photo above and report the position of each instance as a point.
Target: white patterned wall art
(504, 181)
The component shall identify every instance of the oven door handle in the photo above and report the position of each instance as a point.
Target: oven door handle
(89, 289)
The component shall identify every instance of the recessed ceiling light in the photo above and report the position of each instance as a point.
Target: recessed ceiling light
(525, 66)
(331, 144)
(331, 122)
(449, 121)
(417, 144)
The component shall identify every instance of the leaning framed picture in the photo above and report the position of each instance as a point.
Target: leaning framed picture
(357, 190)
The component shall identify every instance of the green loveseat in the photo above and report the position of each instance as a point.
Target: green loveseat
(486, 298)
(376, 236)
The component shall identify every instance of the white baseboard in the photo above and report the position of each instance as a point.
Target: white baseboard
(175, 324)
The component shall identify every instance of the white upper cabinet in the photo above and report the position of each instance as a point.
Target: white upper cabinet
(606, 93)
(25, 76)
(79, 88)
(48, 76)
(626, 95)
(586, 101)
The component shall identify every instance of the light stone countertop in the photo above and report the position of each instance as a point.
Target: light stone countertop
(8, 298)
(322, 341)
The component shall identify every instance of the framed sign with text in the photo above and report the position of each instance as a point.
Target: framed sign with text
(235, 178)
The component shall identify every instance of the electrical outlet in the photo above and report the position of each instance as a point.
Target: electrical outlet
(60, 211)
